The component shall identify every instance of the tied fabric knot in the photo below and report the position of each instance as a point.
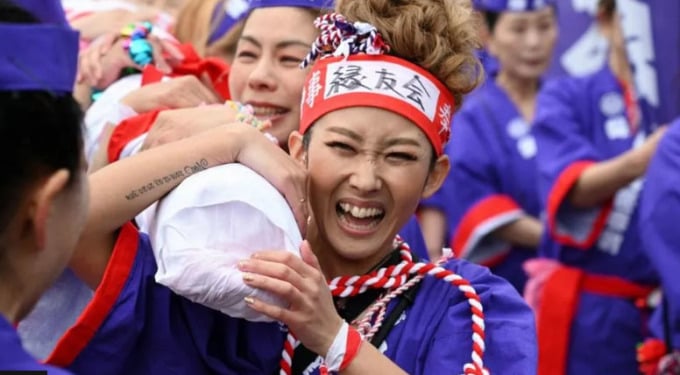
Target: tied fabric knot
(339, 37)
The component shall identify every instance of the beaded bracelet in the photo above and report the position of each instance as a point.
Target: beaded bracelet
(246, 115)
(137, 46)
(136, 43)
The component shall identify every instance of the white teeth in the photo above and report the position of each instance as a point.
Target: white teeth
(267, 111)
(360, 212)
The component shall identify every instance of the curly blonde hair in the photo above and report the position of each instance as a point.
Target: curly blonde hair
(439, 35)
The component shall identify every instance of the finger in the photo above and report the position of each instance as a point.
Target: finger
(308, 256)
(205, 94)
(174, 54)
(299, 204)
(280, 265)
(107, 41)
(273, 311)
(158, 58)
(79, 74)
(97, 66)
(208, 84)
(279, 288)
(88, 68)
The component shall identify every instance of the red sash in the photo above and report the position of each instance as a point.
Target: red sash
(560, 297)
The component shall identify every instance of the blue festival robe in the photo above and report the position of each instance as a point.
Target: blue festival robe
(659, 210)
(135, 326)
(492, 181)
(13, 357)
(581, 121)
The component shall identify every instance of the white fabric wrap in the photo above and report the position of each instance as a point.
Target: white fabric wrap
(338, 349)
(211, 221)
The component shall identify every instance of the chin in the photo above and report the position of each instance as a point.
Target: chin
(281, 130)
(534, 72)
(361, 249)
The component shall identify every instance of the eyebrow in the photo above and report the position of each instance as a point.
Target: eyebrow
(280, 45)
(388, 143)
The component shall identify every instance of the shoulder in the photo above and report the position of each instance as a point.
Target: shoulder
(570, 88)
(672, 136)
(560, 88)
(498, 297)
(508, 323)
(477, 100)
(494, 291)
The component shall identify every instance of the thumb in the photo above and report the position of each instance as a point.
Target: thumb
(308, 256)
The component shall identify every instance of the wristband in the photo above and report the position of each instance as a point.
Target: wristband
(343, 349)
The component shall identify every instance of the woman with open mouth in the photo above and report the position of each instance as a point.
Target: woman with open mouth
(371, 136)
(372, 130)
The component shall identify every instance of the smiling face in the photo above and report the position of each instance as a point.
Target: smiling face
(266, 73)
(368, 169)
(523, 42)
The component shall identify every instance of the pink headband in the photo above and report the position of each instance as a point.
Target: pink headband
(364, 76)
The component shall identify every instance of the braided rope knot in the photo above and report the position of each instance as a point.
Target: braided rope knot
(339, 37)
(397, 279)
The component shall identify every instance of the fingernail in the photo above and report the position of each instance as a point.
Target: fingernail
(248, 277)
(243, 265)
(249, 300)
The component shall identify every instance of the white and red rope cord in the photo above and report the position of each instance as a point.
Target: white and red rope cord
(396, 279)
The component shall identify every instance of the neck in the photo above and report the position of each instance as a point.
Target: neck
(12, 301)
(521, 88)
(521, 91)
(333, 264)
(618, 63)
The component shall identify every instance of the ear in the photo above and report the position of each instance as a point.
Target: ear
(437, 176)
(44, 199)
(296, 147)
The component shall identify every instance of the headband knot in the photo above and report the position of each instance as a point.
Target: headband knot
(339, 37)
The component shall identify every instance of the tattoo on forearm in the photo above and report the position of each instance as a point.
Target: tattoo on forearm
(172, 178)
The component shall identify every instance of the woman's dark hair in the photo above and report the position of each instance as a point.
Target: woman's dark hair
(491, 19)
(607, 7)
(40, 132)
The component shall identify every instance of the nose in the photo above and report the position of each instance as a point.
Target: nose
(365, 177)
(263, 76)
(533, 38)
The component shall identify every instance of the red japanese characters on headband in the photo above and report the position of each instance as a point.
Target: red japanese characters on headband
(380, 81)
